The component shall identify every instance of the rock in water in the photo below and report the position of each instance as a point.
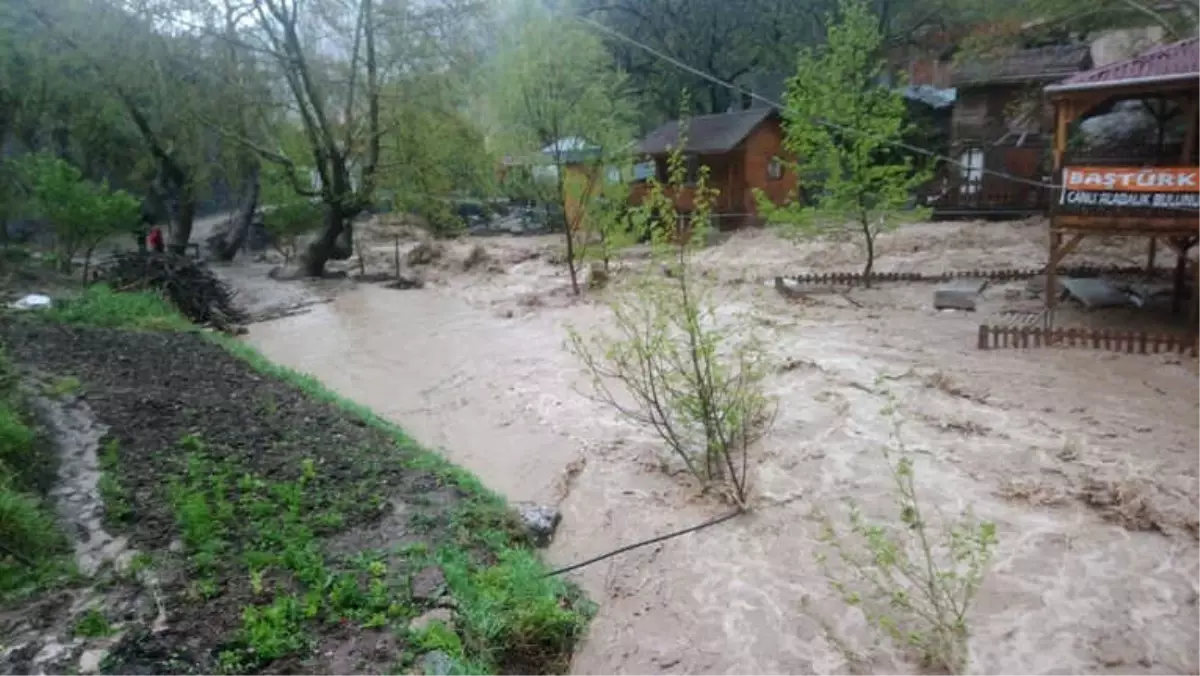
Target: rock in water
(424, 253)
(406, 280)
(476, 256)
(540, 521)
(960, 294)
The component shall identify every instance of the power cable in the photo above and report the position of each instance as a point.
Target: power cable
(832, 125)
(643, 543)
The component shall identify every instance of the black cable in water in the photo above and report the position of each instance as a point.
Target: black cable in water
(643, 543)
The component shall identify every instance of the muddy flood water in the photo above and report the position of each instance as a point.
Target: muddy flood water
(1085, 460)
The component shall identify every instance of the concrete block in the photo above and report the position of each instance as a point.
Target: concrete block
(1095, 293)
(960, 294)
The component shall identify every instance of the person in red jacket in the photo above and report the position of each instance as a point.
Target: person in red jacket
(155, 240)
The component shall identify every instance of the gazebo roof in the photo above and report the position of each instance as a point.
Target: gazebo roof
(1176, 62)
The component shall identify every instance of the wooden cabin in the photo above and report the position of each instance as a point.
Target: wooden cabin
(742, 150)
(1002, 122)
(1145, 185)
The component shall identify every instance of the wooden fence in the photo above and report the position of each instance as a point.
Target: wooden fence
(1131, 342)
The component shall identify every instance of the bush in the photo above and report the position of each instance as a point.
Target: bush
(698, 391)
(911, 581)
(83, 213)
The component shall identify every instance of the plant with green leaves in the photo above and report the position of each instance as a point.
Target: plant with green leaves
(914, 579)
(82, 213)
(562, 109)
(842, 125)
(607, 227)
(698, 389)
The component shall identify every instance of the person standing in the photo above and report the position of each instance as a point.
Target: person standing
(155, 240)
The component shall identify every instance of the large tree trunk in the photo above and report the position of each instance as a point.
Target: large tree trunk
(322, 249)
(226, 245)
(182, 218)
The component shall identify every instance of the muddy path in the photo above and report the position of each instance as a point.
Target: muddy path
(1086, 461)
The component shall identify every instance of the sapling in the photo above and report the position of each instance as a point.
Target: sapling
(915, 575)
(685, 377)
(842, 127)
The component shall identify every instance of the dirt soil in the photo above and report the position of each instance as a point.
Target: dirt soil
(1085, 460)
(153, 389)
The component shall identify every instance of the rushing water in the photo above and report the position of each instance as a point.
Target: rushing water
(1069, 592)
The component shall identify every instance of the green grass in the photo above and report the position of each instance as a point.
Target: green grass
(93, 624)
(32, 546)
(512, 617)
(101, 306)
(117, 506)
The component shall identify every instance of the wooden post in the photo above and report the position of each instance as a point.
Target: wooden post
(1051, 279)
(1181, 246)
(1194, 310)
(1150, 253)
(1189, 136)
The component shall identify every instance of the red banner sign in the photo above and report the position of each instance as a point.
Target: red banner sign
(1131, 187)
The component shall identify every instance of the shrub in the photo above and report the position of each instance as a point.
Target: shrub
(83, 213)
(913, 581)
(697, 389)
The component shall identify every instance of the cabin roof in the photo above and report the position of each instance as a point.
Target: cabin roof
(706, 134)
(1175, 61)
(1038, 64)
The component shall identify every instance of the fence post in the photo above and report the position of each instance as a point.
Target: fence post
(983, 336)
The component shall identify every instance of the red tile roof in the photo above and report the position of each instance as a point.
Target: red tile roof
(1178, 60)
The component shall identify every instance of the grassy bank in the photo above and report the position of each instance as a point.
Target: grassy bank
(293, 531)
(32, 546)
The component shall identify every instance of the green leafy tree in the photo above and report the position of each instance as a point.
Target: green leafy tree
(82, 213)
(555, 89)
(842, 125)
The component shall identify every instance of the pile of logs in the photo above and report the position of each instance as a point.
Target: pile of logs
(188, 283)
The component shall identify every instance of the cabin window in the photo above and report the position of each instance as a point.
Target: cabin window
(774, 169)
(971, 170)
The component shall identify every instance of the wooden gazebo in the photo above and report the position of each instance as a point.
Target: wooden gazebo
(1143, 189)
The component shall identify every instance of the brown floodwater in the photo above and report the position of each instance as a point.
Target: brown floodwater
(1038, 442)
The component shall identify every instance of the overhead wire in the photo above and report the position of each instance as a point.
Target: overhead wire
(588, 21)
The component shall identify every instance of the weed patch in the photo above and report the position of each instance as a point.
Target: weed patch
(93, 624)
(117, 508)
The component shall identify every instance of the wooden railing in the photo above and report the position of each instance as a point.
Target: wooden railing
(1131, 342)
(988, 194)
